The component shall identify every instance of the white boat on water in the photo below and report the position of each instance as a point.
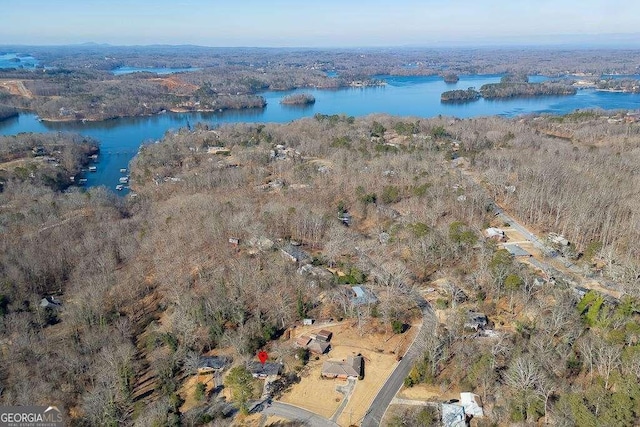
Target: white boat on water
(123, 170)
(119, 187)
(124, 180)
(93, 169)
(82, 181)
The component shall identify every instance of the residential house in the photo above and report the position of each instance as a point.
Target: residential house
(295, 253)
(315, 343)
(495, 234)
(50, 302)
(459, 413)
(476, 321)
(315, 274)
(323, 335)
(318, 347)
(349, 368)
(453, 415)
(208, 364)
(362, 296)
(558, 239)
(269, 369)
(303, 341)
(38, 151)
(517, 251)
(472, 404)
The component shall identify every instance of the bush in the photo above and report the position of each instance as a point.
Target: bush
(199, 392)
(302, 354)
(397, 326)
(442, 304)
(390, 194)
(369, 198)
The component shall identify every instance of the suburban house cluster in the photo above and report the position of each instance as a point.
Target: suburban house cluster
(317, 343)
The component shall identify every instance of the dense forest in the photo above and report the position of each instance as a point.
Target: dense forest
(105, 301)
(460, 95)
(518, 90)
(298, 99)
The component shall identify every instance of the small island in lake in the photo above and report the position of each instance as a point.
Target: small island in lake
(451, 78)
(518, 86)
(510, 86)
(298, 99)
(460, 95)
(520, 90)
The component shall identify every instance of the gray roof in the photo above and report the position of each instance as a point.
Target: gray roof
(476, 320)
(453, 415)
(257, 369)
(516, 250)
(362, 296)
(50, 302)
(318, 347)
(351, 367)
(213, 362)
(295, 253)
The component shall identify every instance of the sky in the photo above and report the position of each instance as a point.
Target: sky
(327, 23)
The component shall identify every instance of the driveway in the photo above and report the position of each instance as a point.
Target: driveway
(294, 413)
(373, 417)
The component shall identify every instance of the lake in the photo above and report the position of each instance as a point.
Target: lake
(402, 96)
(128, 70)
(16, 60)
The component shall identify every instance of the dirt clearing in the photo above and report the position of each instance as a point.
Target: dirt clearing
(16, 87)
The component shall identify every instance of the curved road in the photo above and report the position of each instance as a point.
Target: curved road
(376, 411)
(294, 413)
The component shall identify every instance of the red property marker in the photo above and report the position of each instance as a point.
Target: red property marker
(262, 356)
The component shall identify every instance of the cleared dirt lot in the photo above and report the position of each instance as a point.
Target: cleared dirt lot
(377, 347)
(428, 393)
(16, 87)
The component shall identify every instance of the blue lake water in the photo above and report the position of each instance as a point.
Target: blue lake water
(404, 96)
(14, 60)
(129, 70)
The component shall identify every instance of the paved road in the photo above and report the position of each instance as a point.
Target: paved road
(567, 268)
(294, 413)
(522, 230)
(388, 391)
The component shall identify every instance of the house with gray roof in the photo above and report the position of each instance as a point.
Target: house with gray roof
(351, 367)
(362, 296)
(50, 302)
(258, 370)
(294, 253)
(517, 251)
(208, 364)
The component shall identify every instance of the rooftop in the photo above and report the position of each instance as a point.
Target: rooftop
(516, 250)
(351, 367)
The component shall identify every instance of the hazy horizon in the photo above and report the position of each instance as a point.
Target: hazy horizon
(285, 23)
